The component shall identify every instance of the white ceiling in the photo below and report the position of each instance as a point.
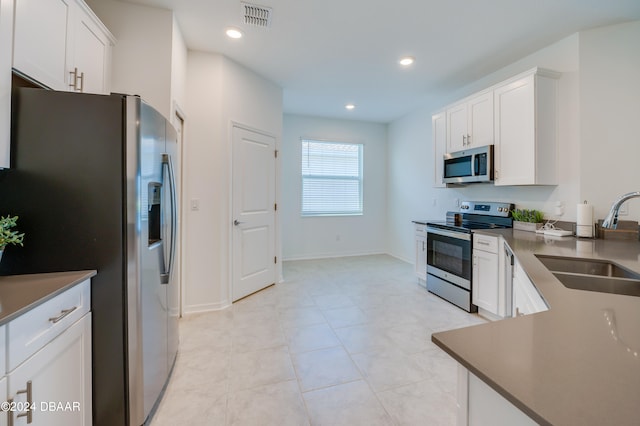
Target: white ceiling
(326, 53)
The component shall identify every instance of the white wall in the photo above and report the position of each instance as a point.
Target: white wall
(313, 237)
(219, 92)
(410, 155)
(142, 56)
(610, 111)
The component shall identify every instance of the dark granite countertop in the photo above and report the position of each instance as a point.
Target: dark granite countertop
(577, 363)
(21, 293)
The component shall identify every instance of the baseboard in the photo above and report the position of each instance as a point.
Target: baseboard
(331, 255)
(411, 262)
(205, 307)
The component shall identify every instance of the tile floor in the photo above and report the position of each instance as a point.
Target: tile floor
(343, 341)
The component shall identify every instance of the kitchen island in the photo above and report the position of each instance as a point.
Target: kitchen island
(577, 363)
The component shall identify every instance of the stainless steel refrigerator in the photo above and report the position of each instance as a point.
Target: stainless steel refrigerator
(93, 184)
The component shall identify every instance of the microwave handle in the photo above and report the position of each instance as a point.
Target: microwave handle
(475, 161)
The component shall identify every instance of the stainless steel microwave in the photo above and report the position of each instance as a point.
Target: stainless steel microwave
(469, 165)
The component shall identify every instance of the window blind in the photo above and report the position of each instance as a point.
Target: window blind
(331, 178)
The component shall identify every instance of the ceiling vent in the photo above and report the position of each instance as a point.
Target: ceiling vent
(258, 16)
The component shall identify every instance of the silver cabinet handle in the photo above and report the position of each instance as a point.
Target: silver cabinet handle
(81, 78)
(29, 392)
(237, 222)
(73, 77)
(482, 243)
(464, 140)
(63, 314)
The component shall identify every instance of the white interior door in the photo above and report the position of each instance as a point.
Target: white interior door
(254, 194)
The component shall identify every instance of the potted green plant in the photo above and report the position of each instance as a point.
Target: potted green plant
(527, 220)
(7, 236)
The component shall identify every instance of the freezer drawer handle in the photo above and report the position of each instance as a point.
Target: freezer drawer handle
(166, 275)
(63, 314)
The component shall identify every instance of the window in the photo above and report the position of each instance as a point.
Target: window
(331, 178)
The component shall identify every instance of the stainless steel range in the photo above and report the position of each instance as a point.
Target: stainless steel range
(450, 245)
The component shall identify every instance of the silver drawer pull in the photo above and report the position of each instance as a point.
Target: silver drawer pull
(483, 243)
(63, 314)
(29, 392)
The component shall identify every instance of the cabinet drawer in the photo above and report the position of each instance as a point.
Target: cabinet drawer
(485, 243)
(421, 230)
(31, 331)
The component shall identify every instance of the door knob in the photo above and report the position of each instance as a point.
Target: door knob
(237, 222)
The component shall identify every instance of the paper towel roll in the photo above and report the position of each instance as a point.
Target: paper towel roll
(584, 220)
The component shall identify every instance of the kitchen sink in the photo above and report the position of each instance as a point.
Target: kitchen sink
(593, 275)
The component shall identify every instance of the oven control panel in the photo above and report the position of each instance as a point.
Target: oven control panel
(488, 208)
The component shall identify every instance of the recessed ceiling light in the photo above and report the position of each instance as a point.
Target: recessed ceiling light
(349, 106)
(234, 33)
(406, 61)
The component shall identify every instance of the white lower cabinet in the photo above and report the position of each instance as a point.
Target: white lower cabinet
(526, 299)
(55, 383)
(4, 415)
(486, 273)
(480, 405)
(421, 253)
(48, 380)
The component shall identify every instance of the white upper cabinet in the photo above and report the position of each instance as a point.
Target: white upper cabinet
(62, 45)
(525, 130)
(92, 54)
(6, 52)
(470, 123)
(40, 40)
(439, 133)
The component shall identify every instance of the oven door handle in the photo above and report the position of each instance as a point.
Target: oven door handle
(451, 234)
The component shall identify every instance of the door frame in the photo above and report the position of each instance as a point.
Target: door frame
(179, 114)
(277, 238)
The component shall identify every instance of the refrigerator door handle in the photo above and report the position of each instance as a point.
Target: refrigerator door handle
(166, 161)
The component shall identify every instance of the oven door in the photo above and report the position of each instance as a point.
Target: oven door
(449, 256)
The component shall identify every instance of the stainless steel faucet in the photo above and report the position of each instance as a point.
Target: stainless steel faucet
(611, 221)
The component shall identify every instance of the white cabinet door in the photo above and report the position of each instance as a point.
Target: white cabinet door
(439, 132)
(4, 419)
(526, 299)
(421, 254)
(525, 130)
(515, 133)
(92, 53)
(457, 127)
(480, 120)
(485, 281)
(487, 407)
(57, 380)
(40, 40)
(6, 57)
(470, 123)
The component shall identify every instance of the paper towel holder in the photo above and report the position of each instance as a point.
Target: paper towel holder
(584, 220)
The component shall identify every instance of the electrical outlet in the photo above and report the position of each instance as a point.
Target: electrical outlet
(559, 208)
(195, 204)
